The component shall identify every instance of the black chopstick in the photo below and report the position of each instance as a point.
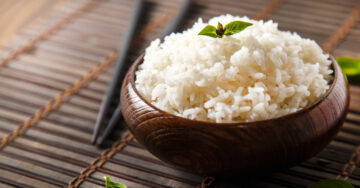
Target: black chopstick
(119, 68)
(172, 27)
(174, 24)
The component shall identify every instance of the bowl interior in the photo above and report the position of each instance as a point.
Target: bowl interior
(336, 73)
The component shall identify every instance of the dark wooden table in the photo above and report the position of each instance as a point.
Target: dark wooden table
(54, 73)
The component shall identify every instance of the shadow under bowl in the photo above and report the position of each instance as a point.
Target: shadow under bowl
(222, 149)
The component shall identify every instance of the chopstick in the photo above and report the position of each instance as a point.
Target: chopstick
(172, 27)
(119, 68)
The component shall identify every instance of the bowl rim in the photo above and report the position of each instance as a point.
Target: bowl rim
(334, 65)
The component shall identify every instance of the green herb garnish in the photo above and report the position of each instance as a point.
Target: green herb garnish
(230, 29)
(331, 183)
(111, 184)
(351, 68)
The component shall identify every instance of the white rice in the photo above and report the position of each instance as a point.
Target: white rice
(257, 74)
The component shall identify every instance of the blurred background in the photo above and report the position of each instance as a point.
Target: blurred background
(17, 14)
(56, 62)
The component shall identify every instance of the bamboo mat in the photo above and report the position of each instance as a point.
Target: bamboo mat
(10, 19)
(55, 72)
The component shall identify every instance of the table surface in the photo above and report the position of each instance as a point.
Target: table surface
(56, 69)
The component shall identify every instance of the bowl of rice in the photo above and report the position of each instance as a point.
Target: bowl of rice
(262, 99)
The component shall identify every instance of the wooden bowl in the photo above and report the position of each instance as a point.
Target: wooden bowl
(221, 149)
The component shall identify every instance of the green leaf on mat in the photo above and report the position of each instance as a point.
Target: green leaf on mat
(331, 183)
(110, 184)
(351, 68)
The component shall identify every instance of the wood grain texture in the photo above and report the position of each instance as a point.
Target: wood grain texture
(235, 148)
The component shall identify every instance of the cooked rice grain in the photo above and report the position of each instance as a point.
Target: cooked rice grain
(257, 74)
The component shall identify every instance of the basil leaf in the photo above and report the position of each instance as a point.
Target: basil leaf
(331, 183)
(351, 68)
(210, 31)
(235, 27)
(110, 184)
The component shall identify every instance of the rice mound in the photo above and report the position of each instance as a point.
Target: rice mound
(257, 74)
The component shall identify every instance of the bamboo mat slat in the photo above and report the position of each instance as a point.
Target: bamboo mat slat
(56, 150)
(10, 19)
(351, 45)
